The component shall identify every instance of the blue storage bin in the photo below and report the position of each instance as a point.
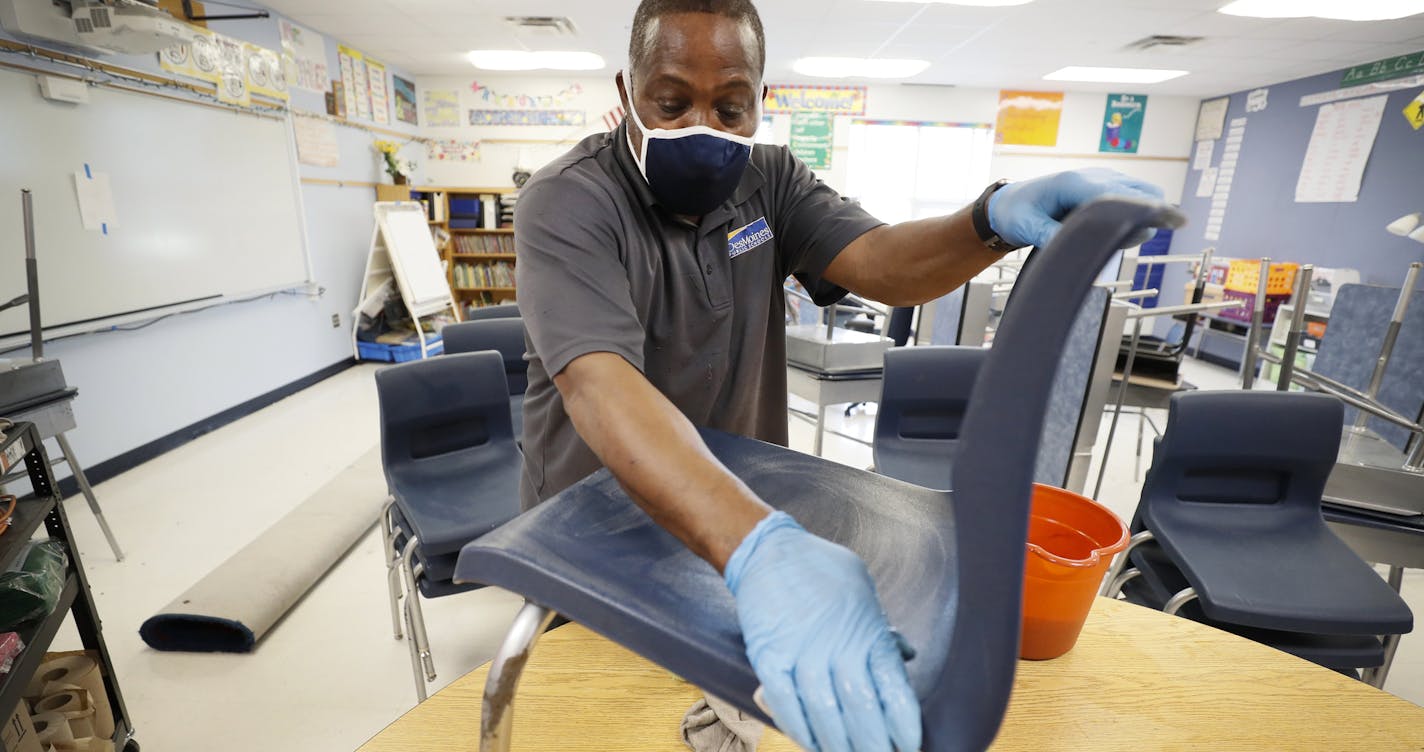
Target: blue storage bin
(466, 207)
(407, 351)
(465, 223)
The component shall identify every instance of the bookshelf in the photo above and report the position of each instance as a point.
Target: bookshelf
(474, 232)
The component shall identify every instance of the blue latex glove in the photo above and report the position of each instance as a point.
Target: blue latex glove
(832, 672)
(1029, 213)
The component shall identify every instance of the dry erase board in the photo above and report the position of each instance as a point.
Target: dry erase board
(413, 257)
(206, 204)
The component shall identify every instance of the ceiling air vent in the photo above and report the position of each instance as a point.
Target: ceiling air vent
(1161, 43)
(544, 26)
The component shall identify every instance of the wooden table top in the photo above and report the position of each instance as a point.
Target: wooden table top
(1137, 680)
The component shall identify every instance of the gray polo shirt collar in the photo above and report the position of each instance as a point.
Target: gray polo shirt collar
(752, 181)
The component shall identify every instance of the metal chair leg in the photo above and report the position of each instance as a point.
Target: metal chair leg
(497, 715)
(412, 605)
(1176, 602)
(1137, 459)
(1115, 586)
(1120, 563)
(88, 492)
(393, 584)
(416, 670)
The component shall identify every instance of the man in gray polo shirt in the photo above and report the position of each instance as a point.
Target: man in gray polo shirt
(651, 262)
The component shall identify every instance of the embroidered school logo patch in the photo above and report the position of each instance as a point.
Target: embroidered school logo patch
(748, 238)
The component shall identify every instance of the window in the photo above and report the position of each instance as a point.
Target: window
(901, 171)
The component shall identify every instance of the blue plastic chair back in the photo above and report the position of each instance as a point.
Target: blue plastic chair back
(503, 335)
(492, 312)
(447, 446)
(924, 398)
(948, 566)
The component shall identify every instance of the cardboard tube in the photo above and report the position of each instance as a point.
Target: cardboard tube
(72, 703)
(52, 728)
(81, 671)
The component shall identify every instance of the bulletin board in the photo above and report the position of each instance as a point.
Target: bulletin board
(1262, 216)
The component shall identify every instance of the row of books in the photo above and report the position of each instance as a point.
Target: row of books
(480, 300)
(484, 244)
(498, 274)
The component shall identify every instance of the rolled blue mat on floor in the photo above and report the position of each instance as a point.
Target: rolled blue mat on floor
(230, 610)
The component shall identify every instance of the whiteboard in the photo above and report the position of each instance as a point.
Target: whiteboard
(413, 256)
(206, 200)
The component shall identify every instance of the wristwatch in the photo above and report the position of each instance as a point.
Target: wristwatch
(980, 216)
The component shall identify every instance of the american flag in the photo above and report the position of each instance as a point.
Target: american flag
(613, 117)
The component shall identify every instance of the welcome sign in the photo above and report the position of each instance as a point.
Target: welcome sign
(836, 100)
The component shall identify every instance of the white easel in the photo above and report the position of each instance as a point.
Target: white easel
(403, 253)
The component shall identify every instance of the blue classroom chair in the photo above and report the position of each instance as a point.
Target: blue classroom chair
(1230, 523)
(452, 467)
(484, 313)
(505, 336)
(924, 398)
(591, 554)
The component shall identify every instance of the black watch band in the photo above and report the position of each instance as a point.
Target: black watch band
(980, 216)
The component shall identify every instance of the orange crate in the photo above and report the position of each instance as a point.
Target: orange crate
(1245, 276)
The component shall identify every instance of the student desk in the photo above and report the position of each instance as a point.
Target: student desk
(1137, 680)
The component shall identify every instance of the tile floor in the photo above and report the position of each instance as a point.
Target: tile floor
(329, 675)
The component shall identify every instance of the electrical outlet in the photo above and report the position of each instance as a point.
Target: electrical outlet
(335, 321)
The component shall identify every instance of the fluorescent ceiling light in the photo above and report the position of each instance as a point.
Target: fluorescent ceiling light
(859, 67)
(979, 3)
(525, 60)
(1339, 10)
(1114, 75)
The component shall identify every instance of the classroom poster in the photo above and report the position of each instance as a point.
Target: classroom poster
(196, 58)
(508, 100)
(348, 81)
(528, 117)
(812, 135)
(1340, 146)
(452, 150)
(442, 108)
(232, 64)
(837, 100)
(403, 92)
(316, 141)
(265, 76)
(380, 101)
(1122, 123)
(1028, 118)
(304, 58)
(1211, 119)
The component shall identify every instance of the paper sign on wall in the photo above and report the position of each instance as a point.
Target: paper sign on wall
(1339, 149)
(442, 108)
(304, 57)
(528, 117)
(265, 76)
(96, 201)
(1122, 123)
(837, 100)
(1201, 158)
(1211, 119)
(348, 80)
(1028, 118)
(452, 150)
(316, 142)
(232, 62)
(1207, 185)
(380, 101)
(812, 136)
(196, 58)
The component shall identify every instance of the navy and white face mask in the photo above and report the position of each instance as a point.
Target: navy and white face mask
(690, 170)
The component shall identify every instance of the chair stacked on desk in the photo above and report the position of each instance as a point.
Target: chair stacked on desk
(503, 334)
(452, 467)
(1229, 531)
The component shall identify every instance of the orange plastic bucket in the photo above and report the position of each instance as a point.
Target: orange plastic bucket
(1071, 542)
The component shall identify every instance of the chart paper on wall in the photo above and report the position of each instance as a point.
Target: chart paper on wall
(1211, 120)
(1340, 146)
(1201, 158)
(316, 142)
(380, 100)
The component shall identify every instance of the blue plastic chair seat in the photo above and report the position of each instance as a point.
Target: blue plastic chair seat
(432, 567)
(625, 577)
(1160, 580)
(459, 499)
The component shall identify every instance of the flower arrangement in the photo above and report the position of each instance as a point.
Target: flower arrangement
(387, 150)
